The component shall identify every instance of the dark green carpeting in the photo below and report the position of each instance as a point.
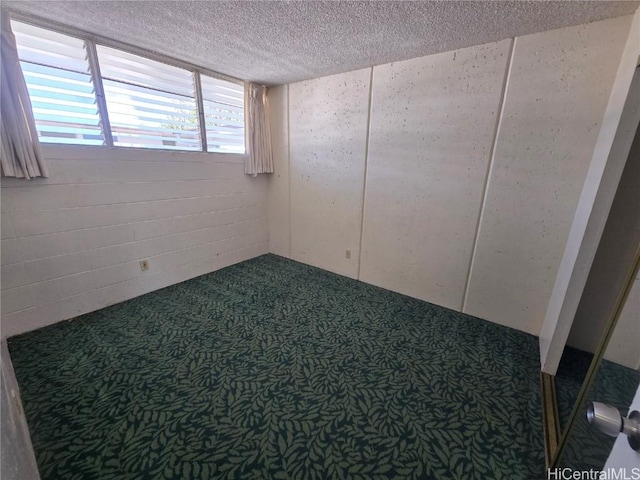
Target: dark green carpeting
(274, 369)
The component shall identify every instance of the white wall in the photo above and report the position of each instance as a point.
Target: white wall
(614, 259)
(623, 346)
(279, 186)
(610, 153)
(327, 151)
(72, 243)
(453, 214)
(433, 122)
(557, 94)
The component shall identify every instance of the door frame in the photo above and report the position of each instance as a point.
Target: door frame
(610, 154)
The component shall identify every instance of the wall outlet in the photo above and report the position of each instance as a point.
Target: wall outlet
(144, 265)
(348, 254)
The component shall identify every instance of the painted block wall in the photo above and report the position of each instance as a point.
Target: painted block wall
(72, 243)
(424, 197)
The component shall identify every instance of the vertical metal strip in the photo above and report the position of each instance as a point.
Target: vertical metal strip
(289, 165)
(94, 68)
(200, 102)
(550, 418)
(487, 178)
(366, 168)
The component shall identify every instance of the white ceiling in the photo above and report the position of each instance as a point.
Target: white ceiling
(282, 42)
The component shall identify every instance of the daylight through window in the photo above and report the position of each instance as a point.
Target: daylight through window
(57, 74)
(148, 104)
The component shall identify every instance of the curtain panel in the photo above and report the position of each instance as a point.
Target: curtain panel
(260, 158)
(20, 154)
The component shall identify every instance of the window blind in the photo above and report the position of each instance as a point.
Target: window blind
(57, 75)
(150, 104)
(223, 104)
(147, 102)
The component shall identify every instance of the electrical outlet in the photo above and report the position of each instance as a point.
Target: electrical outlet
(348, 254)
(144, 265)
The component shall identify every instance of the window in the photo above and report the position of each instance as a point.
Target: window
(147, 103)
(150, 104)
(223, 105)
(57, 74)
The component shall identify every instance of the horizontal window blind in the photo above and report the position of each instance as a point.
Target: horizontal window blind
(223, 104)
(57, 75)
(150, 104)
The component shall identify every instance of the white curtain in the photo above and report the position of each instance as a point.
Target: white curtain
(20, 155)
(260, 158)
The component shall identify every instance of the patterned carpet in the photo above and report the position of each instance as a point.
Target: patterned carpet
(274, 369)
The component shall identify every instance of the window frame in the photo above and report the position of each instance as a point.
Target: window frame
(91, 40)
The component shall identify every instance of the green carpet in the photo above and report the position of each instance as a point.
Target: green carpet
(274, 369)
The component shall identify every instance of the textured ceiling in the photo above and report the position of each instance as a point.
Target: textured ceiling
(282, 42)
